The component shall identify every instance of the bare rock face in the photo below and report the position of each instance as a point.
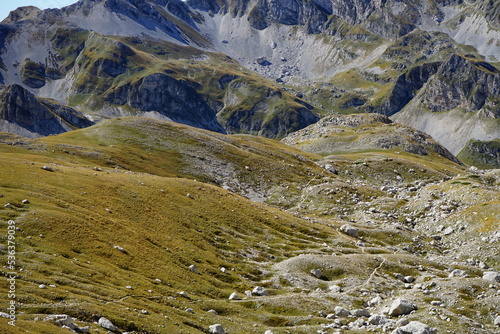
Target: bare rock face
(168, 96)
(22, 113)
(463, 82)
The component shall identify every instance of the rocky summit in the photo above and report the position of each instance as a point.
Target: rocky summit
(257, 166)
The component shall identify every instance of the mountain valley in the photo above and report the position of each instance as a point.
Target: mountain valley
(250, 166)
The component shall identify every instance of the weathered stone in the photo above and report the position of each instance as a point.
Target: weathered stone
(107, 324)
(349, 230)
(497, 321)
(447, 231)
(193, 269)
(409, 279)
(216, 329)
(375, 301)
(377, 319)
(492, 276)
(415, 327)
(341, 312)
(260, 291)
(317, 273)
(360, 313)
(458, 273)
(335, 288)
(234, 296)
(401, 306)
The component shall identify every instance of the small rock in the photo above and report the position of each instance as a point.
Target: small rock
(234, 296)
(144, 312)
(128, 287)
(47, 168)
(409, 279)
(8, 206)
(492, 276)
(107, 324)
(214, 312)
(360, 313)
(184, 294)
(42, 286)
(376, 319)
(190, 196)
(402, 322)
(415, 327)
(375, 301)
(458, 273)
(223, 270)
(268, 332)
(216, 329)
(4, 315)
(193, 269)
(449, 230)
(248, 293)
(401, 306)
(25, 201)
(260, 291)
(349, 230)
(497, 321)
(317, 273)
(121, 249)
(335, 288)
(341, 312)
(189, 310)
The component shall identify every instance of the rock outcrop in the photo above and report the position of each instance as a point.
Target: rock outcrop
(22, 113)
(170, 97)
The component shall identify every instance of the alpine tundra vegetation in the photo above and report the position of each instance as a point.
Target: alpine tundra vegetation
(250, 166)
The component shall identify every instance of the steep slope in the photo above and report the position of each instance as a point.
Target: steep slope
(463, 97)
(21, 112)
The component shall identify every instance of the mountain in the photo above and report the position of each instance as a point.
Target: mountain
(263, 67)
(153, 225)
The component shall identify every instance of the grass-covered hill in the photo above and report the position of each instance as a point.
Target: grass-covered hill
(110, 219)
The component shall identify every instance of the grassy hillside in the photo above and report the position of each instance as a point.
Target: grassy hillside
(122, 209)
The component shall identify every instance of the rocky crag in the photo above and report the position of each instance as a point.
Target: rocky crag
(264, 67)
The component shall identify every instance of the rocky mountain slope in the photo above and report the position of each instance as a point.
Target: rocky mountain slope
(263, 66)
(145, 226)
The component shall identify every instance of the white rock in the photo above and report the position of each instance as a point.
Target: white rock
(341, 312)
(317, 273)
(401, 306)
(4, 315)
(376, 319)
(375, 301)
(335, 288)
(268, 332)
(415, 327)
(260, 291)
(183, 294)
(349, 230)
(492, 276)
(214, 312)
(42, 286)
(449, 230)
(216, 329)
(234, 296)
(193, 269)
(497, 321)
(458, 273)
(107, 324)
(409, 279)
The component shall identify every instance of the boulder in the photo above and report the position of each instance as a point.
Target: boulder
(216, 329)
(260, 291)
(107, 324)
(360, 313)
(317, 273)
(493, 276)
(234, 296)
(193, 269)
(341, 312)
(458, 273)
(415, 327)
(349, 230)
(401, 306)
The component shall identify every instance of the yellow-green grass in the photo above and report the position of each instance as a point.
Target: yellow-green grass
(76, 216)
